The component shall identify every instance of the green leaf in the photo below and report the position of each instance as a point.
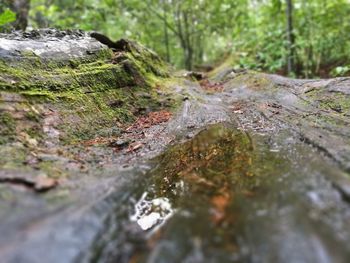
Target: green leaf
(7, 17)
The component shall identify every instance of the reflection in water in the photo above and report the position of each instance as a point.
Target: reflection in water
(202, 180)
(208, 169)
(225, 197)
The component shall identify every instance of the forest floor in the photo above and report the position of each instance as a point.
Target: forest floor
(247, 167)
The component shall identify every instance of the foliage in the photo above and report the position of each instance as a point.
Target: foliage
(7, 17)
(193, 33)
(340, 71)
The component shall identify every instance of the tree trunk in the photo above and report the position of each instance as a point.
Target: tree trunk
(290, 37)
(166, 33)
(21, 8)
(188, 41)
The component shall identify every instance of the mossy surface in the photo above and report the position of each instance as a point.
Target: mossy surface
(90, 94)
(7, 128)
(49, 109)
(336, 102)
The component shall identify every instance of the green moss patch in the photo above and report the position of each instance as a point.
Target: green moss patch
(336, 102)
(7, 128)
(90, 95)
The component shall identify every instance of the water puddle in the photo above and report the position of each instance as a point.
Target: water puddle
(195, 193)
(225, 196)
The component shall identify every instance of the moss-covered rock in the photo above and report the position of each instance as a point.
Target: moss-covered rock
(92, 91)
(60, 89)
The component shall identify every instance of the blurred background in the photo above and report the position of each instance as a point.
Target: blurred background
(299, 38)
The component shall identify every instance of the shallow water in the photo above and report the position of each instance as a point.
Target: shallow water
(227, 196)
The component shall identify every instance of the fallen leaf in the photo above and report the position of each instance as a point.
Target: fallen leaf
(151, 119)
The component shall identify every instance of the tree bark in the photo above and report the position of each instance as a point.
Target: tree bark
(290, 37)
(21, 8)
(166, 33)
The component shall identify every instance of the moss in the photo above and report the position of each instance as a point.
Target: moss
(334, 105)
(99, 110)
(12, 157)
(337, 102)
(51, 170)
(81, 98)
(140, 66)
(87, 77)
(7, 128)
(32, 116)
(39, 95)
(90, 94)
(34, 132)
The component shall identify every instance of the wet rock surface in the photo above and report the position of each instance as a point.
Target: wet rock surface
(248, 168)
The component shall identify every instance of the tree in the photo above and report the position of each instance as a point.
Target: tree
(21, 8)
(290, 37)
(306, 38)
